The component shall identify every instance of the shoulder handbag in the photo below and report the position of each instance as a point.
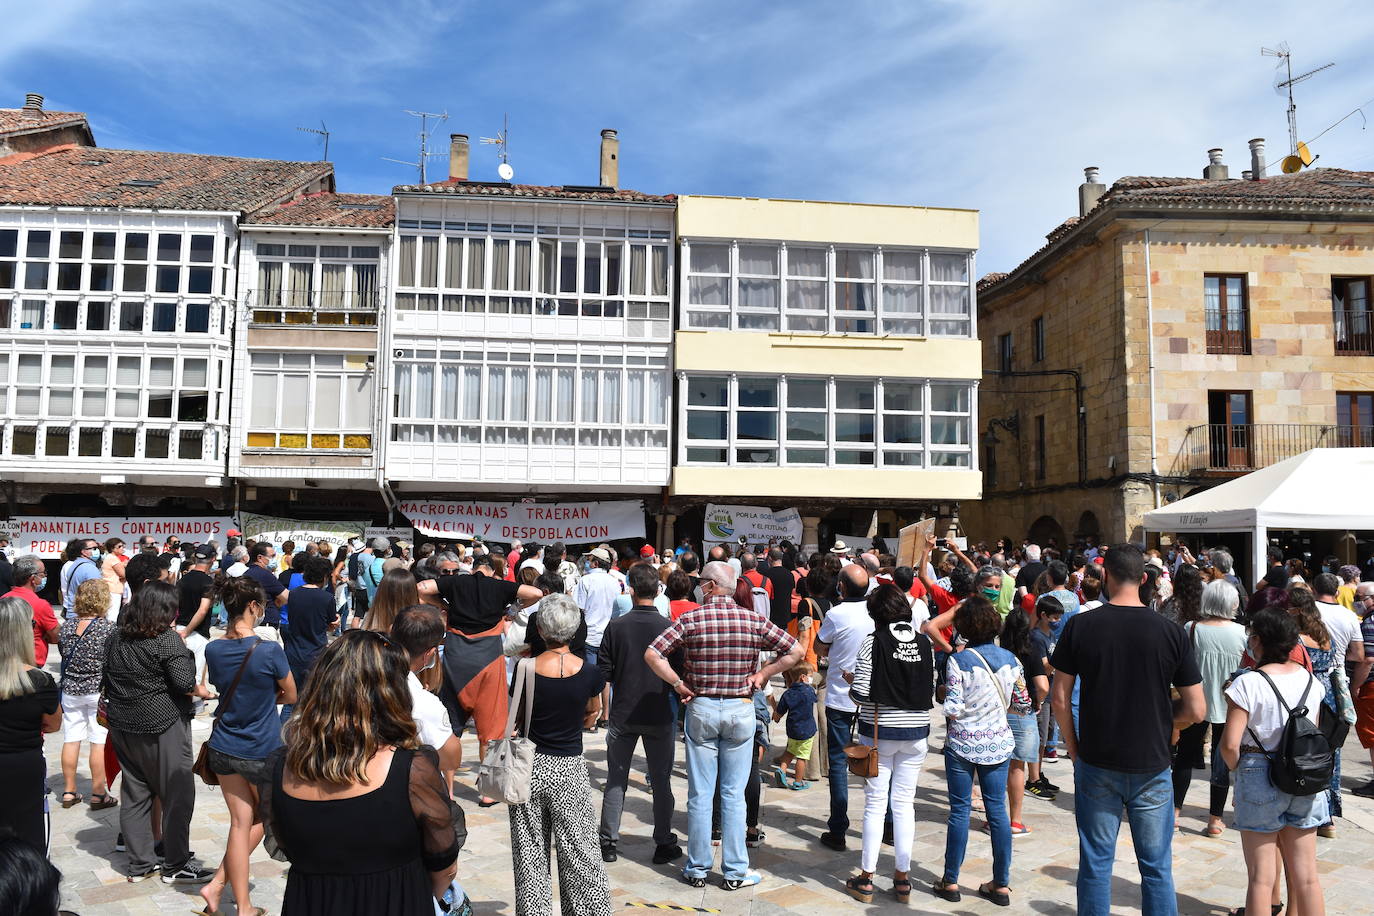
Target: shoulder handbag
(863, 758)
(509, 764)
(1002, 694)
(202, 765)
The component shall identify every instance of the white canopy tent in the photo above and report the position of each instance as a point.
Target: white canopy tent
(1322, 489)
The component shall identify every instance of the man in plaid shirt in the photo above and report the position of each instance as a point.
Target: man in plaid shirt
(721, 643)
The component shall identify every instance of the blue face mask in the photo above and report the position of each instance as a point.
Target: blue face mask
(42, 584)
(992, 594)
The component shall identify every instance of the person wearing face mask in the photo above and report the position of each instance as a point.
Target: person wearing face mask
(251, 676)
(29, 580)
(419, 631)
(83, 562)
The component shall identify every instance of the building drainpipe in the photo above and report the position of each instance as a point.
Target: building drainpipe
(1150, 343)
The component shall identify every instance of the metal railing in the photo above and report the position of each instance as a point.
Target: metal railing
(317, 308)
(1354, 331)
(1237, 448)
(1228, 330)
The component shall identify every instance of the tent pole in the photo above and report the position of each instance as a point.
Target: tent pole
(1260, 560)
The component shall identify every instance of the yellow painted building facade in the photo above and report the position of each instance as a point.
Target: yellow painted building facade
(826, 358)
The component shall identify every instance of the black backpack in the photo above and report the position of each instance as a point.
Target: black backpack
(1303, 761)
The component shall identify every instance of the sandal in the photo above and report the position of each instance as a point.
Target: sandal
(988, 892)
(901, 889)
(860, 887)
(944, 891)
(106, 800)
(1277, 908)
(71, 799)
(1214, 831)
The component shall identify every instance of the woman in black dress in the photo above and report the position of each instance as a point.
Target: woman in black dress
(28, 709)
(355, 804)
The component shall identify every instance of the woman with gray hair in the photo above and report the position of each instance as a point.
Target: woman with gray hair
(1218, 642)
(567, 697)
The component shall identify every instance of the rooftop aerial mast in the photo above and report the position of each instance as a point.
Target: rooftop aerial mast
(1284, 81)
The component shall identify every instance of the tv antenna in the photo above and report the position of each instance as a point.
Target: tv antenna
(499, 141)
(323, 133)
(425, 131)
(1284, 81)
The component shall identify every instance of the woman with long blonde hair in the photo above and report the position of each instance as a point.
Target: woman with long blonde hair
(82, 641)
(353, 786)
(28, 709)
(397, 590)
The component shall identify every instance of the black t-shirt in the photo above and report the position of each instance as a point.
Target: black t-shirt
(780, 611)
(1126, 659)
(273, 588)
(560, 705)
(1028, 574)
(535, 640)
(191, 590)
(311, 612)
(21, 717)
(476, 602)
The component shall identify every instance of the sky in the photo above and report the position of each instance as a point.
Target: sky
(994, 105)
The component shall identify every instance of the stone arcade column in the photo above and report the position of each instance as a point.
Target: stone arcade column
(810, 535)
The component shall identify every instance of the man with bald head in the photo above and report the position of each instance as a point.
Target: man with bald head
(841, 634)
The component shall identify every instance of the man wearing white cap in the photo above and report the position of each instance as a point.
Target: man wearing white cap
(595, 594)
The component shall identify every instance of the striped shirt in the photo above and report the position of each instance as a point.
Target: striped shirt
(721, 642)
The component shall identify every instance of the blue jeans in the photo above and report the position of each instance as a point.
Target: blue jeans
(1099, 798)
(720, 738)
(992, 778)
(839, 731)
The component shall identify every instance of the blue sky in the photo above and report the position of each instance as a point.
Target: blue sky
(994, 105)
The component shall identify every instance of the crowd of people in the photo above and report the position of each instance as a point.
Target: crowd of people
(342, 677)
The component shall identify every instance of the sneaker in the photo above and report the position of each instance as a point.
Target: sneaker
(1364, 791)
(1019, 829)
(749, 880)
(1039, 790)
(830, 841)
(135, 877)
(190, 873)
(1045, 783)
(694, 880)
(608, 853)
(665, 853)
(1051, 755)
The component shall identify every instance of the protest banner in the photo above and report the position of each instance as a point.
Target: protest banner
(276, 530)
(572, 523)
(47, 535)
(756, 524)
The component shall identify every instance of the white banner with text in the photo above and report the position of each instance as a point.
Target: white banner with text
(277, 531)
(756, 524)
(47, 535)
(572, 523)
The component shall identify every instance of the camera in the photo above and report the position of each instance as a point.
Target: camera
(942, 542)
(741, 540)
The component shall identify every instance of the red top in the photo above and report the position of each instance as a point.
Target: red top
(43, 621)
(1299, 655)
(681, 606)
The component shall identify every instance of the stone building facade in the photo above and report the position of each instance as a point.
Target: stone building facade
(1205, 327)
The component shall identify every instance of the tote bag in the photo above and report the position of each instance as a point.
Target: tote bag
(507, 769)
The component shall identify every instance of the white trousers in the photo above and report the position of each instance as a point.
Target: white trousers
(899, 767)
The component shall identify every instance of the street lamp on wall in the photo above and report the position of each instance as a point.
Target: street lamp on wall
(1011, 424)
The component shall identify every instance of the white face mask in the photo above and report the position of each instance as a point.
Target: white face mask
(433, 660)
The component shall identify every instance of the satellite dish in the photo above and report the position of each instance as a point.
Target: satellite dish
(1304, 154)
(1292, 164)
(505, 171)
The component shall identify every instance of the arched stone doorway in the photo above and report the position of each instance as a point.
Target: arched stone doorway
(1088, 527)
(1046, 532)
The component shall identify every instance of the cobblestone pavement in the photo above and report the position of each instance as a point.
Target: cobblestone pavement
(800, 876)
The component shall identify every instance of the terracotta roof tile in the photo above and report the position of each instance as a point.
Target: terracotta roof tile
(97, 177)
(564, 192)
(13, 120)
(367, 211)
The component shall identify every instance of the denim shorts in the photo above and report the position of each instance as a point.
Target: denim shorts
(1262, 808)
(1026, 730)
(222, 764)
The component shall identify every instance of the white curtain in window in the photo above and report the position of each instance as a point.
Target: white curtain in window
(610, 396)
(519, 393)
(365, 284)
(403, 373)
(660, 271)
(358, 402)
(634, 396)
(587, 411)
(637, 270)
(28, 401)
(327, 406)
(405, 261)
(949, 268)
(564, 413)
(658, 398)
(31, 370)
(472, 392)
(269, 283)
(448, 393)
(62, 370)
(543, 395)
(496, 392)
(522, 266)
(424, 392)
(301, 278)
(159, 372)
(295, 396)
(193, 373)
(333, 278)
(129, 371)
(94, 371)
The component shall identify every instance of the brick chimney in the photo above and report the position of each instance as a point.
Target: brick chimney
(457, 157)
(1257, 158)
(1090, 191)
(610, 160)
(1215, 170)
(33, 107)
